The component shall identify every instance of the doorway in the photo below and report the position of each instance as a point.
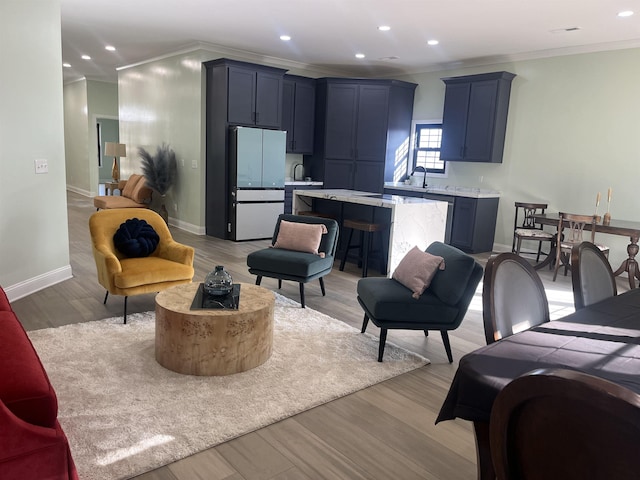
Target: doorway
(107, 131)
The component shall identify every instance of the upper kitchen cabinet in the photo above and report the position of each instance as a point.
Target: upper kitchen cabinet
(361, 125)
(298, 113)
(474, 121)
(253, 93)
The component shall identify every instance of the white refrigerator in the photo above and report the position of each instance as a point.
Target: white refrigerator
(257, 169)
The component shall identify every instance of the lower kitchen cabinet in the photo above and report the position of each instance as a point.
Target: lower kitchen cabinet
(474, 224)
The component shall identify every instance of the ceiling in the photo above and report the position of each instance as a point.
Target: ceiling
(327, 34)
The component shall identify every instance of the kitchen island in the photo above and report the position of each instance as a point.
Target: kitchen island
(412, 221)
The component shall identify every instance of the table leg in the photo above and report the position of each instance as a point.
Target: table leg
(483, 452)
(630, 265)
(551, 257)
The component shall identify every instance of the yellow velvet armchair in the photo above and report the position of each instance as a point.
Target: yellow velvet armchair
(170, 264)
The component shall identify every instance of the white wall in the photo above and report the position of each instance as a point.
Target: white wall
(572, 132)
(33, 217)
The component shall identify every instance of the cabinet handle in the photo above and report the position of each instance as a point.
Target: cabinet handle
(257, 117)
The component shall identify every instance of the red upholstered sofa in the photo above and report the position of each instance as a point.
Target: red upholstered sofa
(32, 443)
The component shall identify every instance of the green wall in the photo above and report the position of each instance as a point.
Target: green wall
(571, 133)
(33, 217)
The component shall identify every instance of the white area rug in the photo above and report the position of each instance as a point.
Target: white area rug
(124, 414)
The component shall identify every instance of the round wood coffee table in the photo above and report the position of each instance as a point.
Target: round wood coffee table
(213, 341)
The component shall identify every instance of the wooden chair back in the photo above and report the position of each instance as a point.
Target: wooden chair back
(556, 423)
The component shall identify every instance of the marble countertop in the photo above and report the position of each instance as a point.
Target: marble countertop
(362, 198)
(452, 190)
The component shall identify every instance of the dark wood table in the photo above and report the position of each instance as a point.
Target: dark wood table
(624, 228)
(602, 339)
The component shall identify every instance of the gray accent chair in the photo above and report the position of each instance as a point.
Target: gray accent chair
(296, 266)
(513, 297)
(591, 275)
(390, 305)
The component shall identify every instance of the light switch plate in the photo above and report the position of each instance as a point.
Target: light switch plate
(194, 164)
(41, 165)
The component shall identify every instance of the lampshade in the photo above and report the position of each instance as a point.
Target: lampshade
(113, 149)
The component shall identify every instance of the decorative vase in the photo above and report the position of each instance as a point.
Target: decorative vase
(218, 283)
(115, 170)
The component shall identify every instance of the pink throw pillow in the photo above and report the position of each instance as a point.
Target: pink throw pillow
(416, 270)
(301, 237)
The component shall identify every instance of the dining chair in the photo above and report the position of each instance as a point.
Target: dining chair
(575, 225)
(559, 423)
(591, 275)
(513, 297)
(528, 229)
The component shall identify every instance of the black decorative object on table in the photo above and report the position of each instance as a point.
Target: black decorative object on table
(218, 282)
(204, 301)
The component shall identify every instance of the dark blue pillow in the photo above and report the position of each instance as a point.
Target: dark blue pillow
(136, 238)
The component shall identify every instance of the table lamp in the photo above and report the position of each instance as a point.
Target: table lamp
(115, 150)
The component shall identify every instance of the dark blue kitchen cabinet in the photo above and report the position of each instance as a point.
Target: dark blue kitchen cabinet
(237, 94)
(361, 125)
(474, 120)
(254, 96)
(474, 224)
(298, 113)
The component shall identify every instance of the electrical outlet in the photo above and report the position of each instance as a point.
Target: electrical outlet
(41, 165)
(194, 164)
(182, 162)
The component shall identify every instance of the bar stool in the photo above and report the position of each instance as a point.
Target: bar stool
(366, 229)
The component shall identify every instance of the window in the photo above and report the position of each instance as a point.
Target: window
(426, 149)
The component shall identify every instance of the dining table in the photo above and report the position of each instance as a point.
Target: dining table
(602, 339)
(626, 228)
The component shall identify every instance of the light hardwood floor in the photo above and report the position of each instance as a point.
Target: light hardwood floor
(383, 432)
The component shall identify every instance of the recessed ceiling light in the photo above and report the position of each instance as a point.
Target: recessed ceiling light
(384, 28)
(626, 13)
(285, 38)
(360, 55)
(111, 48)
(66, 65)
(433, 42)
(86, 57)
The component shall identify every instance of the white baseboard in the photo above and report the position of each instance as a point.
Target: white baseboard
(35, 284)
(187, 227)
(81, 191)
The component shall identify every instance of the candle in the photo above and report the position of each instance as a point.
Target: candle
(598, 200)
(609, 195)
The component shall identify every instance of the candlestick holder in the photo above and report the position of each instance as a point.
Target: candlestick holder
(606, 219)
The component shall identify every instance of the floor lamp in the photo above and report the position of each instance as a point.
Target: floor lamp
(115, 150)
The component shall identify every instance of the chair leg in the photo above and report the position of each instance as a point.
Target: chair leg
(426, 333)
(539, 251)
(279, 283)
(383, 341)
(365, 322)
(258, 279)
(105, 298)
(366, 241)
(302, 294)
(125, 309)
(447, 345)
(321, 279)
(517, 252)
(346, 250)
